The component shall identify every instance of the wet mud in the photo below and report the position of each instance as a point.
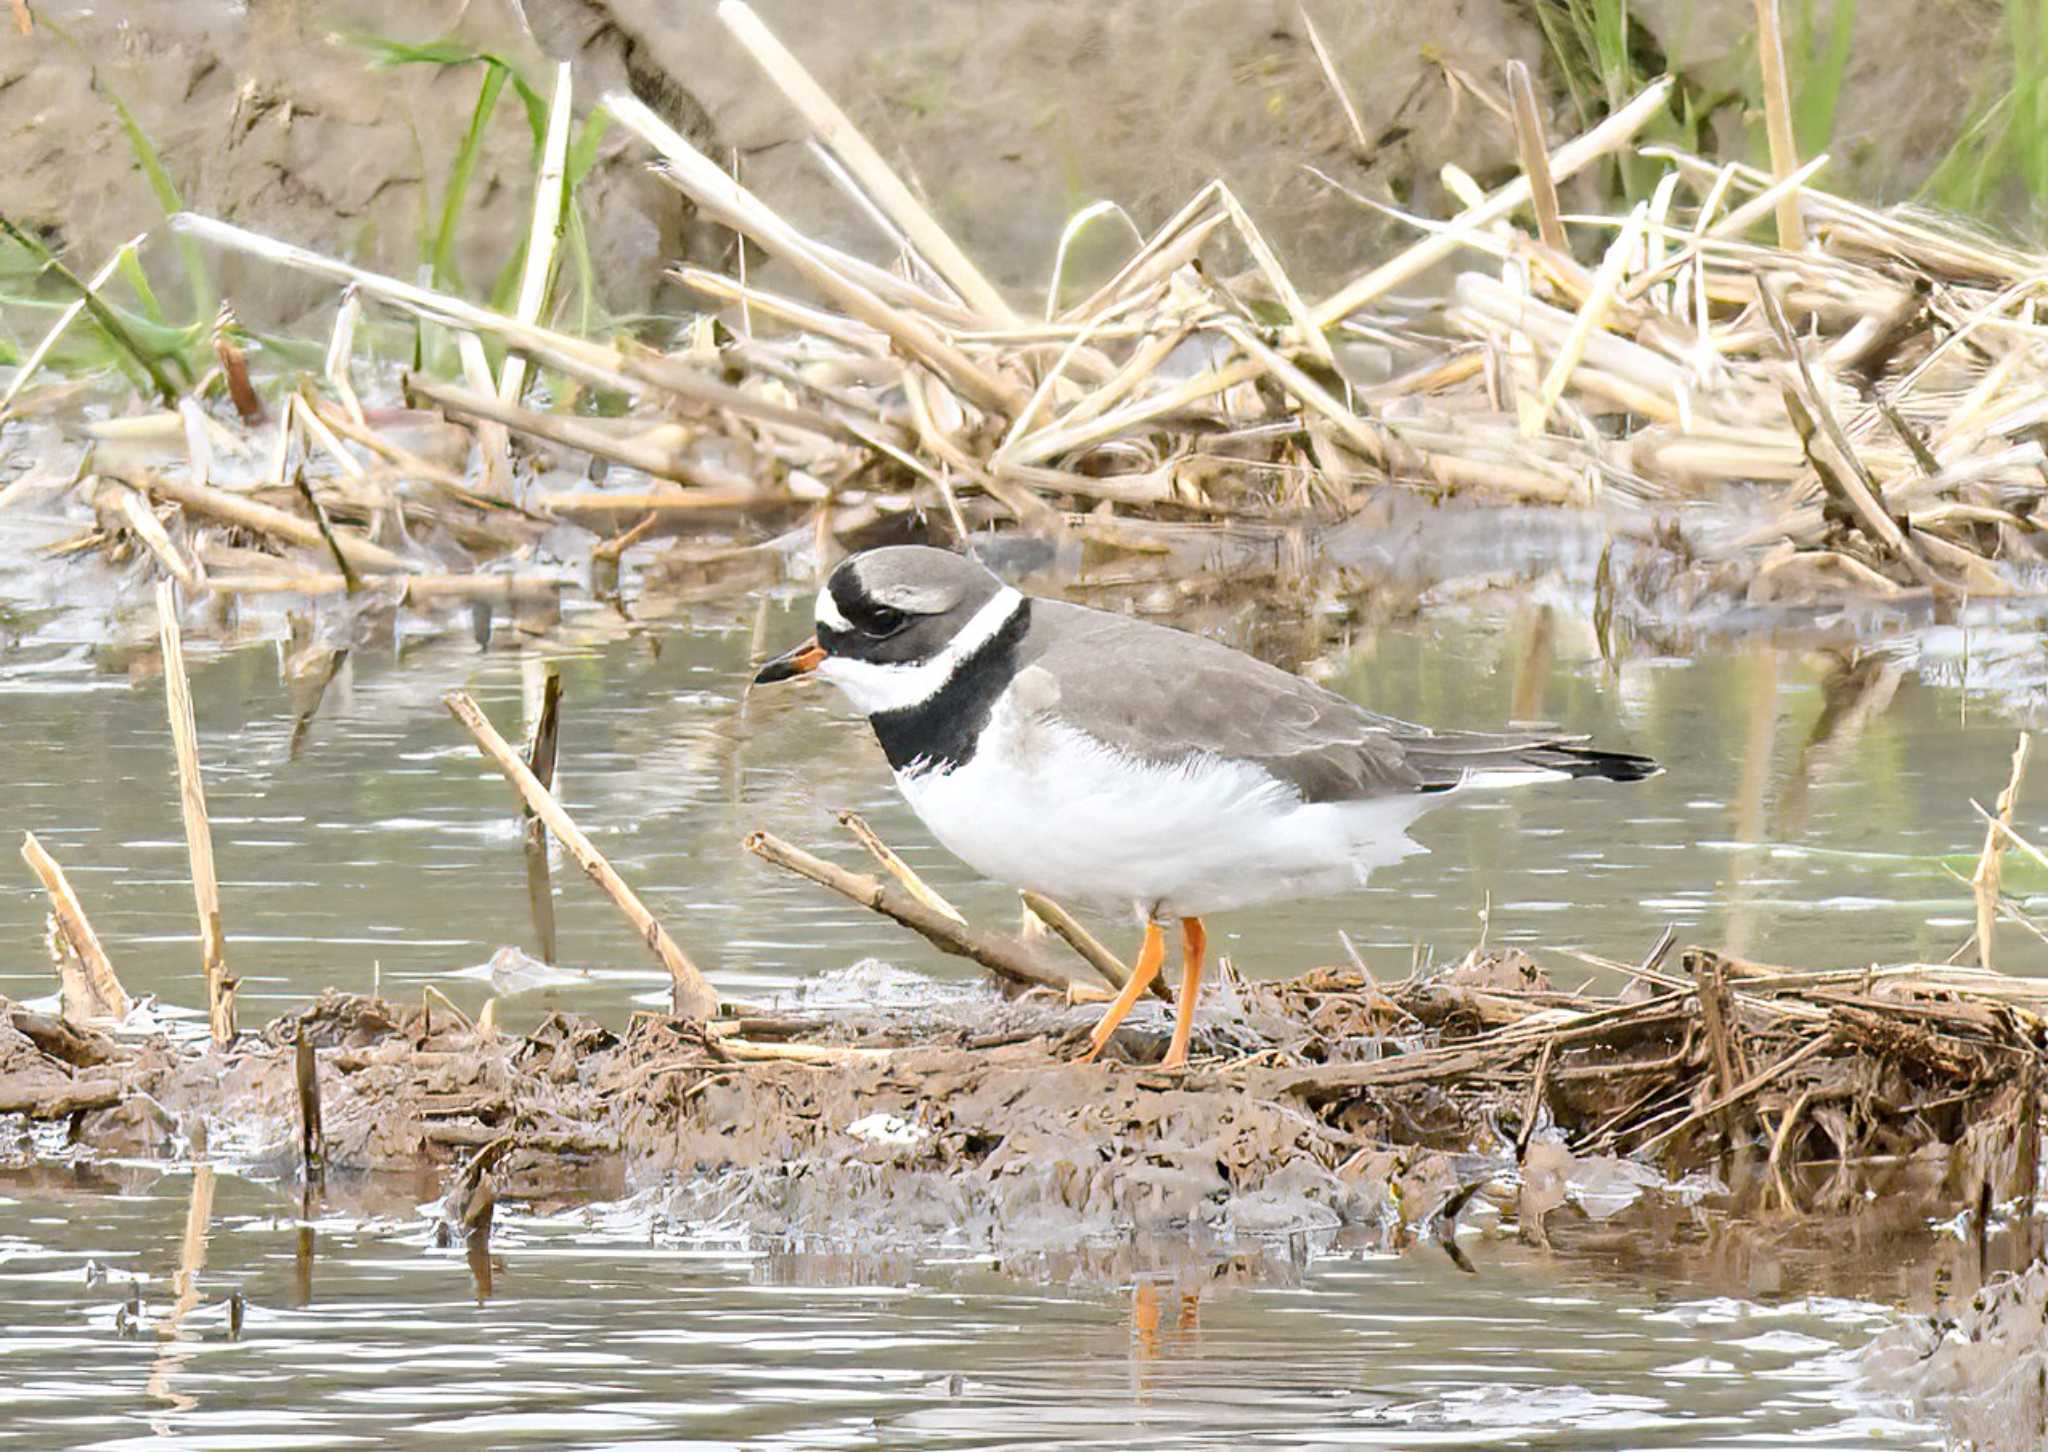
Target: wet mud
(1319, 1102)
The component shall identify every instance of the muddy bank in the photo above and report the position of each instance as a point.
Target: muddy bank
(1319, 1102)
(1980, 1363)
(1009, 120)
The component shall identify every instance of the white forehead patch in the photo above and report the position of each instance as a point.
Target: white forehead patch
(826, 612)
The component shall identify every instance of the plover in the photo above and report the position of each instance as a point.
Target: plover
(1130, 767)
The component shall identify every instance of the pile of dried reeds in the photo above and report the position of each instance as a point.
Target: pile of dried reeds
(1862, 1066)
(1866, 390)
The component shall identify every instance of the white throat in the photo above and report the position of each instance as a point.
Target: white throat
(874, 688)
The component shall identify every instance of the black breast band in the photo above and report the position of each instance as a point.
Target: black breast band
(939, 733)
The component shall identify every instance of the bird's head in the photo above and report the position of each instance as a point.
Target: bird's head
(894, 623)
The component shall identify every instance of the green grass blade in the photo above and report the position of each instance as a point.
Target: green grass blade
(133, 274)
(165, 190)
(1816, 75)
(109, 323)
(459, 179)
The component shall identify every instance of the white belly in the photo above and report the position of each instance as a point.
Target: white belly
(1045, 807)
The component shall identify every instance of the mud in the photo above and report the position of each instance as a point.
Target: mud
(1320, 1102)
(1009, 120)
(1981, 1365)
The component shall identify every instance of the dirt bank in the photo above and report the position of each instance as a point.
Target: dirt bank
(1009, 119)
(1318, 1102)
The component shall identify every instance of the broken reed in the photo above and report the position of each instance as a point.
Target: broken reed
(694, 996)
(220, 989)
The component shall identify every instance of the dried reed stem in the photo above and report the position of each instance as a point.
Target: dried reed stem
(545, 235)
(150, 530)
(846, 141)
(1566, 162)
(1984, 881)
(1534, 147)
(1337, 86)
(662, 463)
(708, 185)
(213, 952)
(897, 868)
(103, 994)
(1092, 950)
(1770, 47)
(1005, 958)
(370, 559)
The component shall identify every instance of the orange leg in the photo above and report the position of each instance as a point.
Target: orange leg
(1150, 956)
(1194, 946)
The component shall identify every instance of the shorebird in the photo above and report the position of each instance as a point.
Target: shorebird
(1131, 767)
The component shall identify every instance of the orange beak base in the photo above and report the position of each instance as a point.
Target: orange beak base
(798, 660)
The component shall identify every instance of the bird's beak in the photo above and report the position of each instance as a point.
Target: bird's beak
(798, 660)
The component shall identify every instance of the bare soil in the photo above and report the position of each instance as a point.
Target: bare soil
(1009, 119)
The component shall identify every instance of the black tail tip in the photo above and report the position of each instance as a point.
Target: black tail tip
(1609, 765)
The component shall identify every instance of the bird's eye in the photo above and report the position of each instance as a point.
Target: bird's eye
(884, 621)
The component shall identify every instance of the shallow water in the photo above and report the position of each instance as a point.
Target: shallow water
(604, 1330)
(1808, 803)
(387, 849)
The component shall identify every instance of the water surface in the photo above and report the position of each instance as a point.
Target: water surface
(1816, 799)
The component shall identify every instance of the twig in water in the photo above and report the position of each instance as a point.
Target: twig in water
(541, 750)
(1990, 861)
(1531, 1106)
(1007, 959)
(103, 994)
(694, 997)
(220, 1002)
(1654, 959)
(191, 1261)
(897, 868)
(306, 1074)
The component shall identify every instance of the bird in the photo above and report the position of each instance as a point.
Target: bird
(1128, 766)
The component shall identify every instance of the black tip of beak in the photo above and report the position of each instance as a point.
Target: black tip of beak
(798, 660)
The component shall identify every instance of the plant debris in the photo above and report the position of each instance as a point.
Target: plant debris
(1322, 1100)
